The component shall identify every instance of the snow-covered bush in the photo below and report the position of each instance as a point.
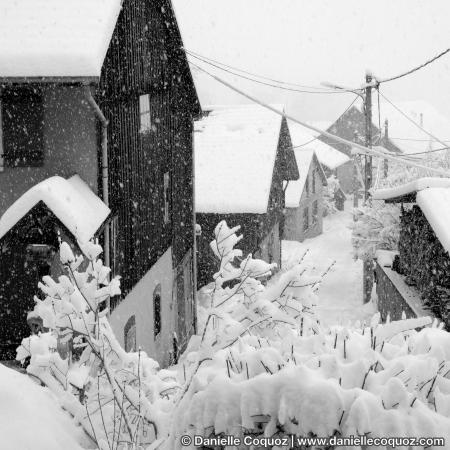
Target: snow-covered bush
(377, 226)
(261, 363)
(296, 377)
(329, 195)
(121, 399)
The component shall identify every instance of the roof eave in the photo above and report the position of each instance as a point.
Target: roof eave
(79, 80)
(407, 198)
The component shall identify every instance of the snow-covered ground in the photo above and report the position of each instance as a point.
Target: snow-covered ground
(32, 419)
(340, 294)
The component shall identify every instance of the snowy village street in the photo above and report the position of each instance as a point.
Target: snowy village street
(224, 225)
(340, 293)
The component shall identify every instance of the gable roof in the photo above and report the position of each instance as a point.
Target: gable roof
(55, 38)
(235, 153)
(350, 123)
(327, 155)
(294, 190)
(71, 201)
(432, 195)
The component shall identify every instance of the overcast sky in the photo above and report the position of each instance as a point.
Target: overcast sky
(311, 41)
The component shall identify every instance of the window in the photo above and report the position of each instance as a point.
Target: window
(157, 310)
(166, 198)
(307, 186)
(313, 182)
(21, 122)
(144, 113)
(315, 212)
(305, 219)
(130, 334)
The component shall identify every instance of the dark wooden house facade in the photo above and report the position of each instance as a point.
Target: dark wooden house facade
(137, 154)
(225, 159)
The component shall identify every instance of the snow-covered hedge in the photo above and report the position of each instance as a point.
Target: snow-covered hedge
(376, 227)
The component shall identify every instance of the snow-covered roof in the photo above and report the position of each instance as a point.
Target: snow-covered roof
(410, 188)
(235, 151)
(327, 155)
(55, 38)
(433, 198)
(71, 201)
(295, 188)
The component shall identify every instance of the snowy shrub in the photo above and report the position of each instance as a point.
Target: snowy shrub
(261, 363)
(329, 195)
(117, 397)
(376, 227)
(295, 377)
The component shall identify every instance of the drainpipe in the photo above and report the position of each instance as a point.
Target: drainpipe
(104, 146)
(194, 250)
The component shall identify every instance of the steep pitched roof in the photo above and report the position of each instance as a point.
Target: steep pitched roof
(55, 38)
(351, 124)
(294, 190)
(71, 201)
(235, 152)
(327, 155)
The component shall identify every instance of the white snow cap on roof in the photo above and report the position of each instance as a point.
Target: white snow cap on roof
(433, 198)
(71, 201)
(408, 188)
(327, 155)
(55, 38)
(235, 150)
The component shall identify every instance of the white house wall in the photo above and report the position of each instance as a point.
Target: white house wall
(294, 217)
(139, 302)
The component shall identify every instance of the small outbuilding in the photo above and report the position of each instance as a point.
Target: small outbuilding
(30, 230)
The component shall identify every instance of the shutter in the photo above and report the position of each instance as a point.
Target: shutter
(22, 116)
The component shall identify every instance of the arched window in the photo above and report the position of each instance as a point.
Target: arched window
(157, 310)
(130, 334)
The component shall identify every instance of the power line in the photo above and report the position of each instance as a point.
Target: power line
(415, 69)
(430, 151)
(412, 139)
(264, 82)
(412, 121)
(203, 58)
(363, 149)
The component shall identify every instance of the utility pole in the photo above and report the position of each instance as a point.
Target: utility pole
(368, 263)
(386, 140)
(368, 117)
